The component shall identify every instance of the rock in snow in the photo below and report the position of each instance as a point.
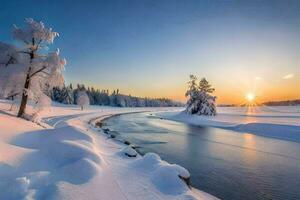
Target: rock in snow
(129, 151)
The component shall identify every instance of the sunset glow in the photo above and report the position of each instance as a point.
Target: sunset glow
(97, 97)
(139, 54)
(250, 97)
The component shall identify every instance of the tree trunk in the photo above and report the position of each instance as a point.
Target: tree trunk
(26, 86)
(24, 97)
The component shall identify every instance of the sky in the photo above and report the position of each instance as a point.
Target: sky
(149, 48)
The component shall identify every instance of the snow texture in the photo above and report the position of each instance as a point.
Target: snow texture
(68, 158)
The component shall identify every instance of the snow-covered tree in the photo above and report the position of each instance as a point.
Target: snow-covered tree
(82, 99)
(25, 71)
(68, 95)
(62, 95)
(200, 100)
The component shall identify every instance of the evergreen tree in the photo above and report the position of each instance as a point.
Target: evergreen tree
(68, 95)
(204, 86)
(200, 100)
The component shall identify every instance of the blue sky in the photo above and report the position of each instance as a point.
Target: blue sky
(148, 48)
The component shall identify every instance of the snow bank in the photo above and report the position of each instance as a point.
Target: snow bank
(70, 160)
(165, 176)
(277, 122)
(148, 162)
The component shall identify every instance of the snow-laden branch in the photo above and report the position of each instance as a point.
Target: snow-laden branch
(34, 31)
(23, 65)
(37, 71)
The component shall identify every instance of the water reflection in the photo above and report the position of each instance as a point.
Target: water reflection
(249, 154)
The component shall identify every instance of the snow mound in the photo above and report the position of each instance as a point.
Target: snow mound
(17, 189)
(62, 145)
(21, 186)
(86, 167)
(59, 155)
(166, 177)
(129, 152)
(37, 139)
(182, 172)
(148, 162)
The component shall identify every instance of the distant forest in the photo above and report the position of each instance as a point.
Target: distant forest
(68, 95)
(283, 103)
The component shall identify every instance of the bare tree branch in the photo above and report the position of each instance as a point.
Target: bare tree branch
(26, 42)
(38, 44)
(44, 72)
(13, 95)
(24, 52)
(37, 71)
(10, 61)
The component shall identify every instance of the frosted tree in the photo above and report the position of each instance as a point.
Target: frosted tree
(200, 101)
(204, 86)
(25, 71)
(82, 99)
(63, 95)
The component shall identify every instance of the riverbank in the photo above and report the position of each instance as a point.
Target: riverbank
(275, 122)
(70, 159)
(164, 176)
(227, 164)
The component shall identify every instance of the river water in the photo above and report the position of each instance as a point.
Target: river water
(224, 163)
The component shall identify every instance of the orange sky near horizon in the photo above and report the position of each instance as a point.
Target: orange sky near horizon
(234, 91)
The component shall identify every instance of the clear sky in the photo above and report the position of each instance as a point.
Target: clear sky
(149, 48)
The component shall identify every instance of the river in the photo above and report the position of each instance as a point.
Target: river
(224, 163)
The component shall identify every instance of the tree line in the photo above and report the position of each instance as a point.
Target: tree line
(68, 94)
(295, 102)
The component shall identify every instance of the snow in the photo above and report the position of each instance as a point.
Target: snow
(68, 158)
(282, 122)
(165, 178)
(129, 151)
(162, 174)
(82, 99)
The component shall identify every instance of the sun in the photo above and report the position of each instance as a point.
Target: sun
(250, 97)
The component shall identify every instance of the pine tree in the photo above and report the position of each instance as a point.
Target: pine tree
(68, 95)
(204, 86)
(200, 100)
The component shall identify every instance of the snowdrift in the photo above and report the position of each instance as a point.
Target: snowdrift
(71, 159)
